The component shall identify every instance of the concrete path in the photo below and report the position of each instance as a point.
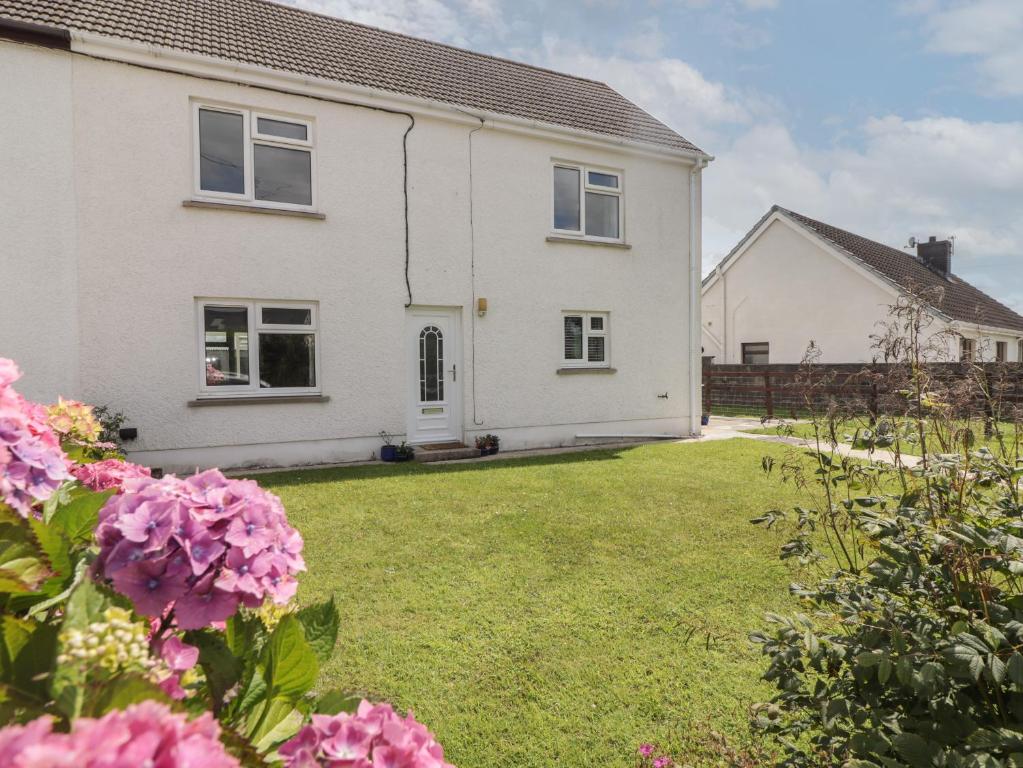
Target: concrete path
(729, 427)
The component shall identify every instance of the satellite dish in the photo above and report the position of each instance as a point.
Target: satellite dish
(912, 242)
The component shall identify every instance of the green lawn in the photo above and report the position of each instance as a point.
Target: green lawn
(846, 430)
(555, 610)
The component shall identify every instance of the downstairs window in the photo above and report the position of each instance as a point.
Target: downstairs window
(258, 348)
(586, 340)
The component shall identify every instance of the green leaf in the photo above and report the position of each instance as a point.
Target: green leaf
(884, 670)
(122, 692)
(255, 691)
(1014, 667)
(337, 701)
(320, 622)
(291, 666)
(78, 518)
(915, 750)
(85, 606)
(23, 565)
(275, 723)
(222, 668)
(27, 653)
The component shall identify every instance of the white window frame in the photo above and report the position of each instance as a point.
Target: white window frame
(251, 138)
(584, 186)
(256, 325)
(1019, 351)
(587, 334)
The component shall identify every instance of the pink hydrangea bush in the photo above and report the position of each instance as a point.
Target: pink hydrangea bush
(107, 474)
(198, 546)
(32, 463)
(146, 734)
(374, 736)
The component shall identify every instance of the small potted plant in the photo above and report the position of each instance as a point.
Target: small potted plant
(388, 452)
(487, 444)
(404, 452)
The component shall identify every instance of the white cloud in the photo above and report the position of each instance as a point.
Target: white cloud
(989, 30)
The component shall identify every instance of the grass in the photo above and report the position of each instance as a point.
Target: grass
(846, 429)
(553, 610)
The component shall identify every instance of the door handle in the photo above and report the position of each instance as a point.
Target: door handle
(454, 373)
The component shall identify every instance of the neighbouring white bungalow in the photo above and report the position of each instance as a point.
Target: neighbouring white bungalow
(793, 281)
(265, 235)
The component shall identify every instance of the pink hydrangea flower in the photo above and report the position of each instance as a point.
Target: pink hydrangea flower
(646, 749)
(200, 546)
(32, 463)
(143, 734)
(111, 473)
(374, 736)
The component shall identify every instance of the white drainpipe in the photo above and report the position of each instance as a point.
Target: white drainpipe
(695, 261)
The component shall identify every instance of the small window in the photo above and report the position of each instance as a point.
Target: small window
(1019, 351)
(255, 348)
(756, 353)
(967, 350)
(586, 341)
(252, 158)
(1001, 351)
(587, 203)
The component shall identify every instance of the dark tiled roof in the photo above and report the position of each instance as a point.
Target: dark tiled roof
(960, 300)
(281, 37)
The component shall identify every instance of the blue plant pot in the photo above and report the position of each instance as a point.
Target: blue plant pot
(389, 453)
(705, 419)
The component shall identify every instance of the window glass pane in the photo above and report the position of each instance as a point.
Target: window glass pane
(431, 364)
(602, 179)
(756, 354)
(283, 175)
(601, 215)
(573, 337)
(595, 349)
(566, 198)
(287, 316)
(287, 360)
(269, 127)
(227, 346)
(596, 323)
(221, 152)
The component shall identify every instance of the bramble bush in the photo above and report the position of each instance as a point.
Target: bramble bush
(149, 621)
(909, 651)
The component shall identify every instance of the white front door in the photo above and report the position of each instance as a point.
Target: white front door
(434, 352)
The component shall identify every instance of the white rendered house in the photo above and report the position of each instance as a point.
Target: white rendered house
(266, 235)
(794, 280)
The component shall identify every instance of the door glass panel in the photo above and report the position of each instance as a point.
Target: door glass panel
(431, 364)
(287, 360)
(226, 332)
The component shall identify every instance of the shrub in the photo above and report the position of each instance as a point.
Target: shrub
(152, 618)
(908, 652)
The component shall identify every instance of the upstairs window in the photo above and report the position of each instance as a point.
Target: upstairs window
(258, 348)
(756, 353)
(1001, 351)
(967, 350)
(586, 340)
(253, 158)
(587, 202)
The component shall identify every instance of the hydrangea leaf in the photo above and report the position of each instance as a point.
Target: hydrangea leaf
(85, 606)
(336, 701)
(291, 666)
(78, 518)
(222, 668)
(23, 565)
(279, 722)
(320, 622)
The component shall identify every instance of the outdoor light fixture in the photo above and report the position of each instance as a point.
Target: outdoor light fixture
(481, 307)
(128, 433)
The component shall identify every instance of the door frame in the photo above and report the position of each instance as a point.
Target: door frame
(452, 357)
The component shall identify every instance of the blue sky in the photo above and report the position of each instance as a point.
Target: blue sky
(891, 118)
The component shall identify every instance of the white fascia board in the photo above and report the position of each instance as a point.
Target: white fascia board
(959, 326)
(199, 65)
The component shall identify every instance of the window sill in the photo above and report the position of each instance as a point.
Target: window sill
(583, 241)
(242, 208)
(207, 402)
(585, 369)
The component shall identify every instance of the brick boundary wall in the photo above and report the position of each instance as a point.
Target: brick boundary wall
(783, 391)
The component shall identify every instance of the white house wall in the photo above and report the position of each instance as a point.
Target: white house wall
(143, 258)
(38, 271)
